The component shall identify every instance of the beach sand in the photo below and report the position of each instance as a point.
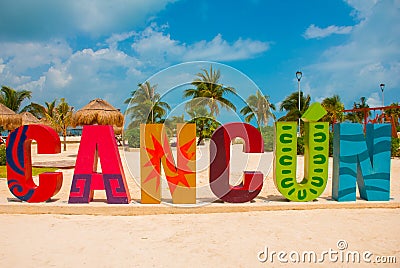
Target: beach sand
(231, 239)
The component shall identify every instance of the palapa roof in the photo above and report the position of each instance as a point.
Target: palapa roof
(98, 112)
(8, 118)
(44, 121)
(118, 130)
(28, 118)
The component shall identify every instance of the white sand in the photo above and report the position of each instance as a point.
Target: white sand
(196, 240)
(207, 240)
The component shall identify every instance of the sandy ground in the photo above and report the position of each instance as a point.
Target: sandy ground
(197, 240)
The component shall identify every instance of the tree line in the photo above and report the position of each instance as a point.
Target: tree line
(57, 115)
(208, 95)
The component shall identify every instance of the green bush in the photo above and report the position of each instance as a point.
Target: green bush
(330, 143)
(300, 145)
(395, 147)
(267, 133)
(2, 155)
(133, 137)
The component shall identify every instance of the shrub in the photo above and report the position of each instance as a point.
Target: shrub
(133, 137)
(267, 133)
(395, 147)
(330, 143)
(2, 155)
(300, 145)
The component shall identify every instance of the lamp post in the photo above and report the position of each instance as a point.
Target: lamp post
(382, 86)
(298, 76)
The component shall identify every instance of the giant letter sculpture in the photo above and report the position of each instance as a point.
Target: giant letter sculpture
(99, 142)
(316, 146)
(219, 167)
(19, 163)
(155, 151)
(362, 160)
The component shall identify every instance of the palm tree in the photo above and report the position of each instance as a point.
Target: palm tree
(209, 92)
(170, 124)
(258, 106)
(205, 122)
(13, 98)
(394, 113)
(145, 105)
(61, 119)
(291, 105)
(334, 108)
(41, 111)
(358, 116)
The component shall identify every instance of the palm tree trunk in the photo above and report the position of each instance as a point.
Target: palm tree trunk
(201, 137)
(65, 139)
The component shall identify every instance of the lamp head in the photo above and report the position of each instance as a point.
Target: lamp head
(299, 75)
(382, 86)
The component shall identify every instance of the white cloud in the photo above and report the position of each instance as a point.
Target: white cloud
(22, 56)
(58, 77)
(317, 32)
(156, 47)
(118, 37)
(2, 66)
(374, 100)
(109, 70)
(221, 50)
(368, 57)
(43, 19)
(52, 70)
(90, 74)
(34, 85)
(362, 8)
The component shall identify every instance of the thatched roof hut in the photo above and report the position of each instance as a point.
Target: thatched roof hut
(44, 121)
(8, 118)
(118, 130)
(98, 112)
(28, 118)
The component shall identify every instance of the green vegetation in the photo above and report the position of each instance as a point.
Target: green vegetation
(267, 133)
(170, 124)
(41, 111)
(205, 122)
(358, 117)
(258, 107)
(291, 105)
(13, 98)
(3, 170)
(208, 96)
(300, 145)
(334, 108)
(395, 147)
(2, 155)
(209, 92)
(132, 135)
(145, 106)
(395, 114)
(61, 118)
(35, 171)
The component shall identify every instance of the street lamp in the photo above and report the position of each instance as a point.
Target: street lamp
(298, 76)
(382, 86)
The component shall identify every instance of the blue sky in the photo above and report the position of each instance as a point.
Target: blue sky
(81, 50)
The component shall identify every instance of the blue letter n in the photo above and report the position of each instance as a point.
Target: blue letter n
(365, 160)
